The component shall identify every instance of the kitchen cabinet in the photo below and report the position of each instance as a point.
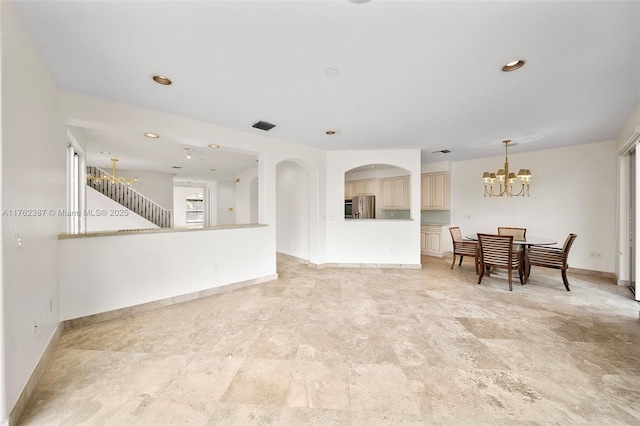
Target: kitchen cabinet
(433, 241)
(394, 193)
(359, 187)
(434, 191)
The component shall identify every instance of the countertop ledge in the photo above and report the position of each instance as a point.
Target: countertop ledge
(66, 236)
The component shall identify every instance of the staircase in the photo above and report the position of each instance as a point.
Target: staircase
(130, 198)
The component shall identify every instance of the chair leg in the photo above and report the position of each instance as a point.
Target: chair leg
(510, 284)
(461, 257)
(454, 261)
(564, 278)
(523, 280)
(481, 273)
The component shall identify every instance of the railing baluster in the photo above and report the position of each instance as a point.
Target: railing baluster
(130, 199)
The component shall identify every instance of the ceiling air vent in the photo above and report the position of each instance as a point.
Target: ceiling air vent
(442, 151)
(263, 125)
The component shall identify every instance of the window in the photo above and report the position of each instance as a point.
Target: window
(195, 209)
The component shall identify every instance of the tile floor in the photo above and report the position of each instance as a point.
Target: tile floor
(358, 347)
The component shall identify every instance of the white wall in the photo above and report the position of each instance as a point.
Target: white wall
(244, 201)
(158, 187)
(156, 266)
(33, 170)
(371, 241)
(113, 216)
(292, 209)
(226, 202)
(180, 194)
(573, 190)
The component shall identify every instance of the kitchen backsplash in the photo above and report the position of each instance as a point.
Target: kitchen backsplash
(436, 216)
(397, 214)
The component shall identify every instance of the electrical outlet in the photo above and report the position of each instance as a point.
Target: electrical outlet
(35, 327)
(596, 255)
(467, 216)
(18, 242)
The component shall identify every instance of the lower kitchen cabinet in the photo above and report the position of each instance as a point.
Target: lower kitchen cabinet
(433, 240)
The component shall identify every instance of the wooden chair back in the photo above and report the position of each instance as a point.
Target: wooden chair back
(551, 257)
(496, 251)
(463, 248)
(519, 234)
(456, 235)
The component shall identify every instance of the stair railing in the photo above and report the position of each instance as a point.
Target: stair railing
(130, 198)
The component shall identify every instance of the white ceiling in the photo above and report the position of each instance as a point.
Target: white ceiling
(411, 74)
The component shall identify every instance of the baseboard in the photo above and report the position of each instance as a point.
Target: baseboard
(599, 274)
(25, 395)
(144, 307)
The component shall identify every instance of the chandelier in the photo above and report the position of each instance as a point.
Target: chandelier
(506, 179)
(113, 178)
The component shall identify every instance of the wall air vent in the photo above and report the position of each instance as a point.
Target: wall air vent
(263, 125)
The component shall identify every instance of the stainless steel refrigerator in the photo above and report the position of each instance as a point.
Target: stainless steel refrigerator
(364, 207)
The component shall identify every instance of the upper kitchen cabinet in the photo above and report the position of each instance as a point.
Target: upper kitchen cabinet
(359, 187)
(394, 193)
(434, 191)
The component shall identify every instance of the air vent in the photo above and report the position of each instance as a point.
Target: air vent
(442, 151)
(263, 125)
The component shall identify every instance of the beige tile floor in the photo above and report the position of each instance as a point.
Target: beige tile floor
(358, 347)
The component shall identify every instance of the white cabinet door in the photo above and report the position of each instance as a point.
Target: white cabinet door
(434, 191)
(423, 241)
(395, 193)
(433, 243)
(348, 190)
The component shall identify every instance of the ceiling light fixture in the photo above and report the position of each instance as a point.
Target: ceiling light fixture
(161, 79)
(330, 132)
(513, 65)
(188, 151)
(104, 177)
(359, 1)
(507, 178)
(213, 146)
(152, 135)
(105, 153)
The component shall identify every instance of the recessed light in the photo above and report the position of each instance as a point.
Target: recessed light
(105, 153)
(213, 146)
(331, 72)
(359, 1)
(188, 151)
(372, 166)
(152, 135)
(161, 79)
(330, 132)
(513, 65)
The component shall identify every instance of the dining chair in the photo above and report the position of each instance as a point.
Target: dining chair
(496, 251)
(462, 247)
(519, 234)
(551, 257)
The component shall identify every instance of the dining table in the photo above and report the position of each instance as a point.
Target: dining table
(525, 244)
